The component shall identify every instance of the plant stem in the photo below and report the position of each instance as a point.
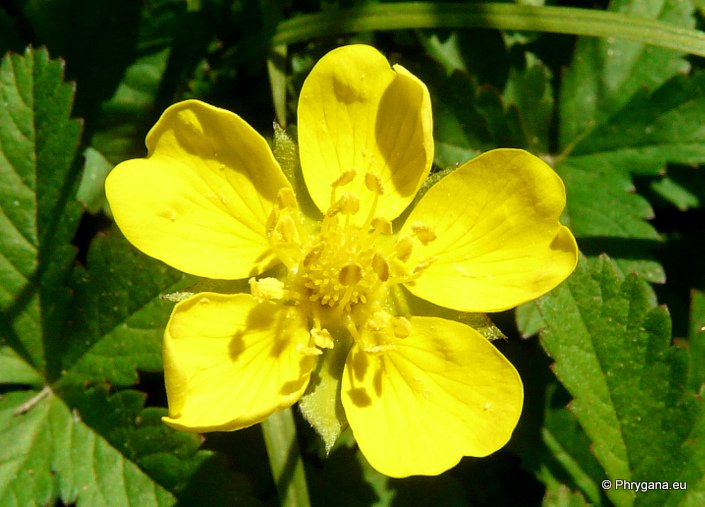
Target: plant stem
(285, 459)
(567, 20)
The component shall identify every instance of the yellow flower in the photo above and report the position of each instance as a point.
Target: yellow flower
(419, 392)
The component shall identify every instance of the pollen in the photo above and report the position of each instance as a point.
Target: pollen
(341, 273)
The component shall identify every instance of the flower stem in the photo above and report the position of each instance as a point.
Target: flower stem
(502, 16)
(285, 459)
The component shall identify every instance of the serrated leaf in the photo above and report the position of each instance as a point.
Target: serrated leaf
(118, 318)
(529, 95)
(64, 330)
(528, 319)
(606, 73)
(680, 194)
(48, 452)
(650, 130)
(38, 216)
(607, 216)
(611, 347)
(467, 118)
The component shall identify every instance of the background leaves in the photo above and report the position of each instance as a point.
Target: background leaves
(613, 384)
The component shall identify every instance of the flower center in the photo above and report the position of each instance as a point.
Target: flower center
(341, 275)
(343, 268)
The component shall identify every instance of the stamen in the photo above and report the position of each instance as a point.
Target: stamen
(374, 183)
(313, 255)
(348, 204)
(380, 267)
(271, 223)
(308, 351)
(287, 229)
(286, 199)
(402, 327)
(350, 274)
(267, 289)
(382, 226)
(403, 248)
(423, 265)
(423, 232)
(345, 178)
(322, 338)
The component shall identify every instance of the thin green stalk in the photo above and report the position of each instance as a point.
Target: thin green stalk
(285, 459)
(566, 20)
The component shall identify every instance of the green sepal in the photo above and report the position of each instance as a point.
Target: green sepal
(321, 405)
(286, 151)
(404, 303)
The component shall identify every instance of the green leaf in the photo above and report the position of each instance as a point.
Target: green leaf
(561, 496)
(611, 346)
(696, 341)
(15, 370)
(650, 130)
(683, 189)
(38, 144)
(91, 191)
(606, 215)
(570, 458)
(528, 319)
(64, 330)
(48, 452)
(607, 72)
(467, 118)
(119, 317)
(529, 95)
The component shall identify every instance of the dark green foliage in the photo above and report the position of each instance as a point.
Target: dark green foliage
(613, 385)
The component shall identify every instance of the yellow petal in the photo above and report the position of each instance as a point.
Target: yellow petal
(425, 401)
(356, 113)
(230, 361)
(200, 199)
(498, 239)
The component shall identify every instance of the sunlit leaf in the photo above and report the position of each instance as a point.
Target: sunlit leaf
(607, 72)
(611, 346)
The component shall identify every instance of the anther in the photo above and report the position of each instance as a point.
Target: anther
(322, 338)
(313, 255)
(351, 204)
(267, 289)
(374, 183)
(287, 229)
(403, 248)
(350, 274)
(348, 204)
(423, 265)
(402, 327)
(380, 267)
(308, 351)
(423, 232)
(382, 225)
(345, 178)
(272, 220)
(286, 198)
